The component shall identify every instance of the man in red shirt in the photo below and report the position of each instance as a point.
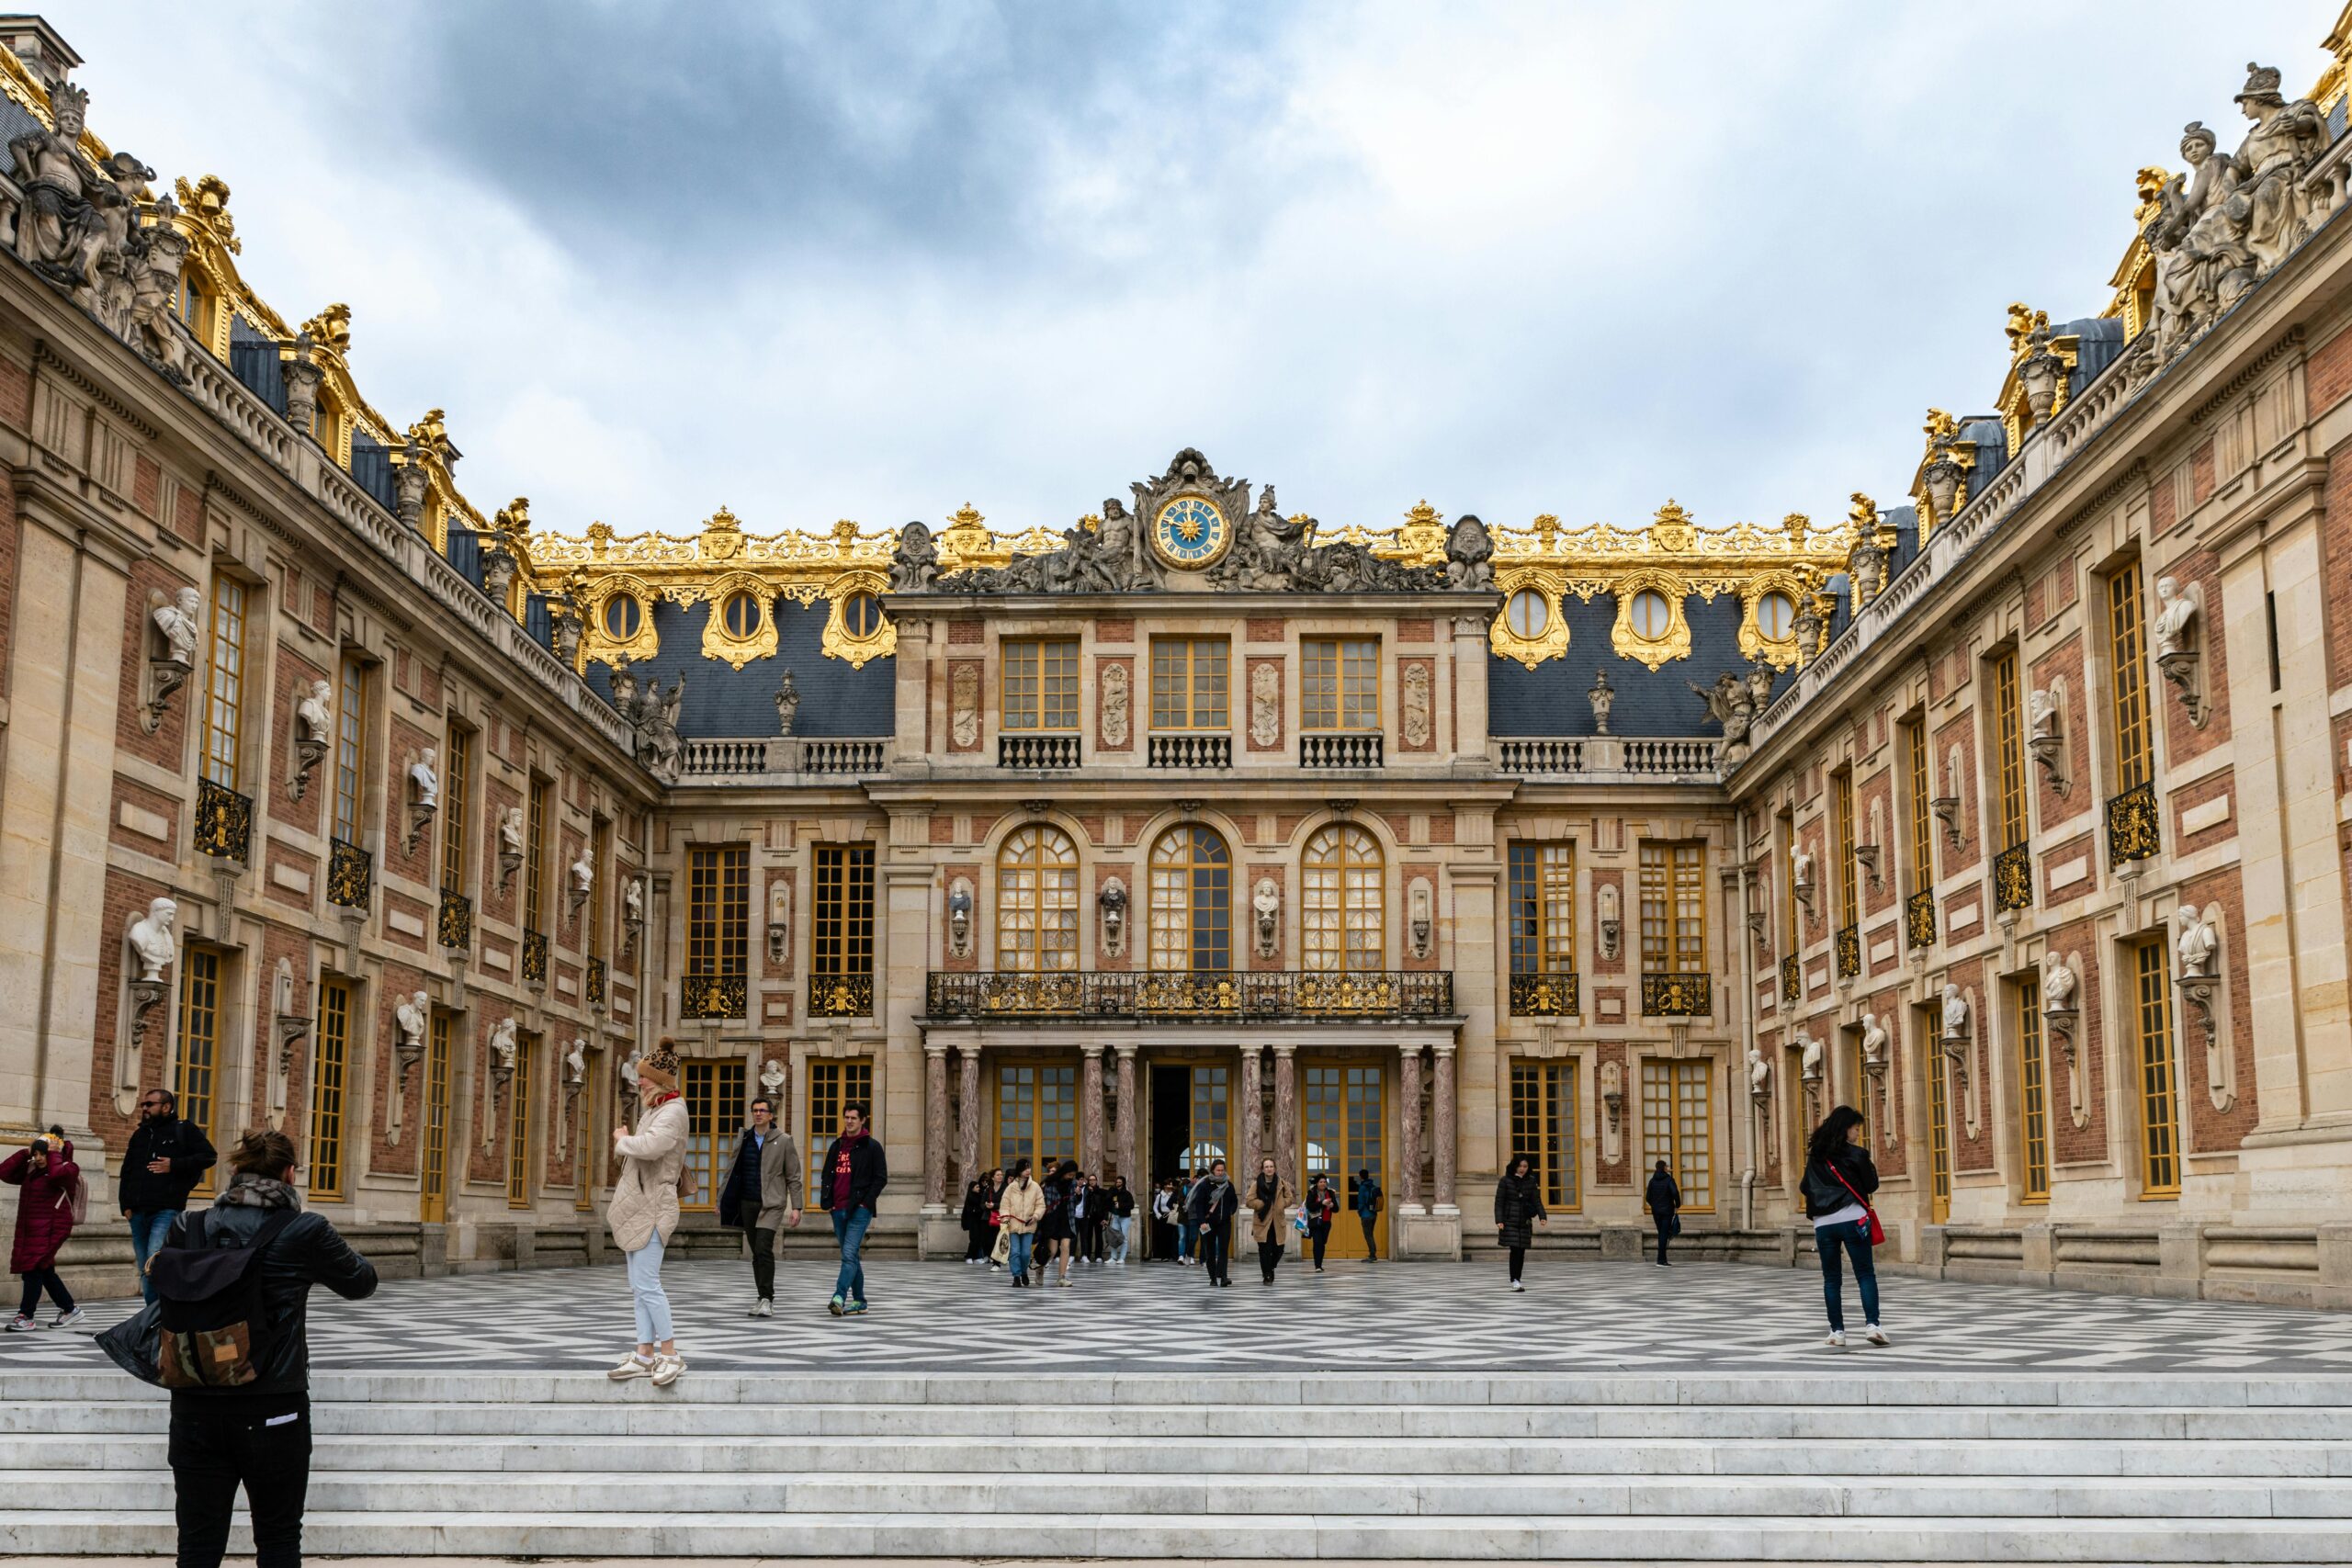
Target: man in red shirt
(849, 1182)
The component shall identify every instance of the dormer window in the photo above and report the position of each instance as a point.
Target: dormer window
(1527, 614)
(1652, 616)
(1776, 617)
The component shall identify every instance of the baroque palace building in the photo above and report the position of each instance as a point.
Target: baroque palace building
(2016, 814)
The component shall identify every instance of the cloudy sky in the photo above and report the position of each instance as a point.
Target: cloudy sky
(873, 260)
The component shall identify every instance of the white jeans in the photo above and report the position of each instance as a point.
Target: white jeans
(652, 1302)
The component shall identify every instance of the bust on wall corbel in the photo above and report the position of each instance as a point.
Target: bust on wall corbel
(1112, 903)
(424, 795)
(2180, 613)
(1612, 924)
(2061, 1021)
(959, 917)
(1613, 1105)
(2045, 735)
(2197, 956)
(1946, 806)
(171, 652)
(1801, 879)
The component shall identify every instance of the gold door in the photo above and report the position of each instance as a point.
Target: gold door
(1342, 1130)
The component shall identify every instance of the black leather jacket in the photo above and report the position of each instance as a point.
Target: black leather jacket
(183, 1142)
(1821, 1191)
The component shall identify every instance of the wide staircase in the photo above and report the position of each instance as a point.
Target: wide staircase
(1816, 1468)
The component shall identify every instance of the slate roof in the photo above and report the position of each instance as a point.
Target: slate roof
(1550, 699)
(836, 701)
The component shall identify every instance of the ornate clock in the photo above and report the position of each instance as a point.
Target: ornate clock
(1189, 534)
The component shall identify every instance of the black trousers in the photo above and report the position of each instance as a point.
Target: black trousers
(1371, 1228)
(270, 1451)
(980, 1241)
(1518, 1262)
(1319, 1235)
(39, 1280)
(1664, 1234)
(1269, 1254)
(1214, 1244)
(763, 1261)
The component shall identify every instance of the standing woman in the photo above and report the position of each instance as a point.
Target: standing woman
(976, 1236)
(1269, 1200)
(644, 1211)
(1518, 1208)
(1321, 1204)
(1055, 1232)
(1019, 1208)
(1664, 1200)
(51, 1185)
(1838, 1180)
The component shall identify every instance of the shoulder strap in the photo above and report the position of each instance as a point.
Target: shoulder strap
(1831, 1165)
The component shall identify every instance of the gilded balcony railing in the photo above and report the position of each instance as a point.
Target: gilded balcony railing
(1204, 995)
(351, 875)
(841, 996)
(1543, 996)
(712, 995)
(1849, 952)
(453, 923)
(1919, 920)
(224, 821)
(1685, 995)
(535, 957)
(2013, 878)
(1792, 977)
(2132, 833)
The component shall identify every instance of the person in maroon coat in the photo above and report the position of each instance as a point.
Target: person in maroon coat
(51, 1185)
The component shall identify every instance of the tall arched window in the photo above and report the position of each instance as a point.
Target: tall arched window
(1192, 900)
(1341, 900)
(1036, 901)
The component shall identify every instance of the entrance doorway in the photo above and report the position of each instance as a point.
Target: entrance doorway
(1192, 1114)
(1343, 1117)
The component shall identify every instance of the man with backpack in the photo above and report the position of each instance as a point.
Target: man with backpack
(1369, 1200)
(227, 1335)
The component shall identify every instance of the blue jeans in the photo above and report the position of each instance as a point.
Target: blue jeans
(1017, 1258)
(148, 1228)
(849, 1229)
(1852, 1237)
(1118, 1239)
(1184, 1234)
(645, 1288)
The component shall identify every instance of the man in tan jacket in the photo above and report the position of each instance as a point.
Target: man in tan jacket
(762, 1196)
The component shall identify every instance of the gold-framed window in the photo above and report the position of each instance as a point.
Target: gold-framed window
(1922, 840)
(1189, 682)
(840, 939)
(224, 689)
(1339, 682)
(1792, 934)
(330, 1059)
(1038, 684)
(196, 1081)
(432, 1201)
(600, 854)
(1037, 1112)
(1938, 1065)
(1678, 1127)
(456, 784)
(1674, 906)
(2127, 635)
(2033, 1093)
(1036, 901)
(1849, 889)
(350, 749)
(534, 854)
(1192, 900)
(718, 894)
(713, 1094)
(834, 1082)
(518, 1122)
(2159, 1075)
(1543, 892)
(1342, 901)
(1543, 1128)
(2009, 748)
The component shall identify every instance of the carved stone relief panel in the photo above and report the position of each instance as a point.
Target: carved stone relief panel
(964, 704)
(1416, 705)
(1265, 705)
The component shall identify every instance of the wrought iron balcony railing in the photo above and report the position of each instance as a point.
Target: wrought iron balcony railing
(1543, 996)
(535, 957)
(224, 822)
(1325, 750)
(351, 875)
(1183, 750)
(595, 982)
(841, 996)
(1919, 920)
(1036, 752)
(1849, 952)
(2132, 832)
(1202, 995)
(1677, 995)
(2013, 878)
(712, 995)
(1792, 977)
(453, 923)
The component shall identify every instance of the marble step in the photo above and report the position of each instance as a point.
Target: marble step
(662, 1417)
(762, 1453)
(608, 1493)
(1243, 1537)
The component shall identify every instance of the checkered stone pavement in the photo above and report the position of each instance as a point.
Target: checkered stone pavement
(1157, 1317)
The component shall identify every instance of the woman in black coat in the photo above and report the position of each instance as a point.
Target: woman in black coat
(1518, 1208)
(978, 1237)
(1664, 1200)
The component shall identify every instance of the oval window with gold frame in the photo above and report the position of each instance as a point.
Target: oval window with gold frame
(623, 617)
(740, 617)
(1527, 615)
(1776, 617)
(1651, 617)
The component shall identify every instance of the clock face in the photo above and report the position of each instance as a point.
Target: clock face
(1189, 534)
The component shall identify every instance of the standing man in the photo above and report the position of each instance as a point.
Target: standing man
(762, 1193)
(853, 1176)
(1211, 1209)
(161, 1165)
(1123, 1220)
(1368, 1204)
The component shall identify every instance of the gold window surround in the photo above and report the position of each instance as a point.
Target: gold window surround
(730, 645)
(2023, 325)
(1552, 639)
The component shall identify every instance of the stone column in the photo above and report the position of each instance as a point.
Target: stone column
(1090, 1111)
(967, 1129)
(1130, 1126)
(934, 1127)
(1442, 1135)
(1285, 1148)
(1245, 1135)
(1408, 1127)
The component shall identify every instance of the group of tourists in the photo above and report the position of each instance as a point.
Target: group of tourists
(1013, 1220)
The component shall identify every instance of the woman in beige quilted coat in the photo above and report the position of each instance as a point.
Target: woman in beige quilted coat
(644, 1211)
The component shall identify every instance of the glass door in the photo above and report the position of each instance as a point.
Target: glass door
(1341, 1129)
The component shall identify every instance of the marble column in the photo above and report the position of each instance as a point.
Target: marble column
(1090, 1111)
(934, 1127)
(1442, 1137)
(1130, 1127)
(1245, 1132)
(1286, 1113)
(1408, 1126)
(967, 1129)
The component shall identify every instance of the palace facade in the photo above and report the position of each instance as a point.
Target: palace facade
(2016, 813)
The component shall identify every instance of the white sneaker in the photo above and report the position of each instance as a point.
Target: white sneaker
(20, 1323)
(1876, 1334)
(1519, 1284)
(763, 1308)
(631, 1366)
(666, 1370)
(66, 1319)
(1837, 1337)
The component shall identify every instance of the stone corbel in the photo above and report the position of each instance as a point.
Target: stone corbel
(1946, 806)
(310, 750)
(2046, 732)
(510, 846)
(144, 988)
(959, 917)
(287, 1030)
(1613, 1105)
(779, 920)
(2182, 663)
(420, 812)
(1611, 926)
(632, 914)
(499, 1080)
(2061, 1026)
(1759, 927)
(1867, 856)
(166, 671)
(1421, 924)
(2197, 948)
